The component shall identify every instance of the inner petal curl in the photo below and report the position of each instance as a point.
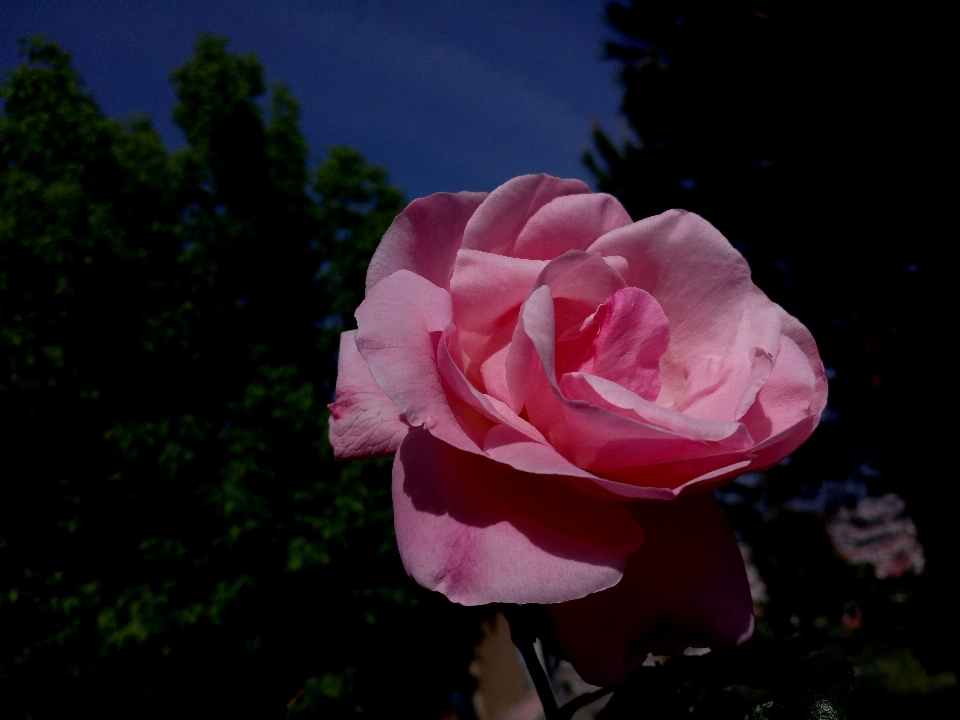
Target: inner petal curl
(621, 342)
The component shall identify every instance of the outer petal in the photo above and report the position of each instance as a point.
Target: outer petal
(787, 409)
(571, 222)
(424, 238)
(497, 223)
(364, 422)
(774, 449)
(684, 587)
(796, 331)
(703, 285)
(400, 325)
(480, 532)
(786, 397)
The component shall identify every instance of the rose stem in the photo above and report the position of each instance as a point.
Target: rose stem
(523, 638)
(567, 711)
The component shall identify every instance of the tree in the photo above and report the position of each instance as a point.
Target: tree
(814, 137)
(174, 534)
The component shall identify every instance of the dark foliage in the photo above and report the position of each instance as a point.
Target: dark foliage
(816, 139)
(792, 680)
(815, 136)
(175, 538)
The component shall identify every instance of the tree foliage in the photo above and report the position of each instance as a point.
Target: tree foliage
(174, 534)
(814, 136)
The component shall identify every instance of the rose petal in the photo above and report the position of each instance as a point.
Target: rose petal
(459, 386)
(785, 398)
(424, 238)
(487, 292)
(622, 342)
(571, 222)
(579, 283)
(480, 532)
(723, 388)
(399, 327)
(796, 331)
(596, 439)
(364, 422)
(511, 440)
(684, 587)
(775, 448)
(618, 263)
(523, 360)
(611, 396)
(497, 223)
(787, 409)
(703, 285)
(684, 477)
(510, 446)
(507, 445)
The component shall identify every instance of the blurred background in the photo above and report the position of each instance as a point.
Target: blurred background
(189, 195)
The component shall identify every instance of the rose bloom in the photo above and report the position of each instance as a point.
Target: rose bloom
(563, 387)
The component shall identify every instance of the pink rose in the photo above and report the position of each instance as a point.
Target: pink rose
(559, 383)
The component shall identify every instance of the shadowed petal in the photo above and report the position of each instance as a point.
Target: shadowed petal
(775, 448)
(785, 398)
(480, 532)
(787, 409)
(364, 422)
(509, 446)
(458, 387)
(684, 587)
(511, 440)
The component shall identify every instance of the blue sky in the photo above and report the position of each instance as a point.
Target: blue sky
(447, 95)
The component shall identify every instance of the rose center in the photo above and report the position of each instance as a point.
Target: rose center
(622, 342)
